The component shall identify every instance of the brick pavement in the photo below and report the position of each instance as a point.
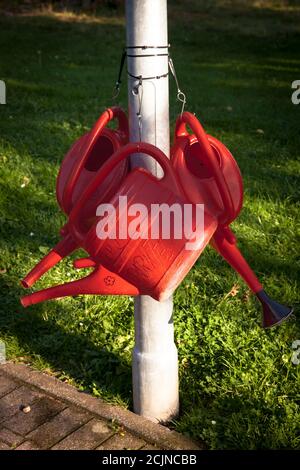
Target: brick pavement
(59, 417)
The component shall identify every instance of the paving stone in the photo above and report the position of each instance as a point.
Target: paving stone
(58, 427)
(27, 445)
(10, 438)
(147, 431)
(122, 441)
(41, 410)
(6, 385)
(87, 437)
(150, 447)
(4, 446)
(10, 403)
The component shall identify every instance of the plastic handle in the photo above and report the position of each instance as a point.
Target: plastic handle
(108, 115)
(129, 149)
(207, 157)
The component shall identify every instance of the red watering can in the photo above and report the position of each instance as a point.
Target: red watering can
(87, 155)
(128, 265)
(218, 186)
(78, 168)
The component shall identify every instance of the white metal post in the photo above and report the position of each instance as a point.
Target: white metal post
(155, 361)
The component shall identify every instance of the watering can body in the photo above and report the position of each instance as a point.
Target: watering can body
(154, 266)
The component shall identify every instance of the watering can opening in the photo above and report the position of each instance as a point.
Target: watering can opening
(102, 150)
(194, 160)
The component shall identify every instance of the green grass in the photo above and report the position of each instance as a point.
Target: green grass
(239, 388)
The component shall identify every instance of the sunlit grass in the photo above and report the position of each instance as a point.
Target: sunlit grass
(239, 388)
(66, 15)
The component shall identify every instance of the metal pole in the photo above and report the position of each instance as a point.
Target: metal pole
(155, 361)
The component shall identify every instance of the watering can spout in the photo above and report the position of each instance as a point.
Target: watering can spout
(63, 248)
(225, 243)
(99, 282)
(273, 312)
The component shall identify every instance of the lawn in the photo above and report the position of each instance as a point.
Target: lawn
(236, 61)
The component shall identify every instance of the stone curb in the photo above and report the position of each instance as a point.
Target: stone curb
(151, 432)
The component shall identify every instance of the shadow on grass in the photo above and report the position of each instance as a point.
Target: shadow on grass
(72, 354)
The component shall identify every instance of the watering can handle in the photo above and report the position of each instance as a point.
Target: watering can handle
(208, 157)
(129, 149)
(109, 114)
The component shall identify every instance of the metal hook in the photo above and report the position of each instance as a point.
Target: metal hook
(135, 89)
(180, 95)
(182, 98)
(139, 94)
(118, 82)
(116, 91)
